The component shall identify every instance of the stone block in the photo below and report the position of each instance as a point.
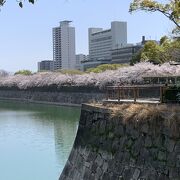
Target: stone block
(178, 161)
(144, 153)
(171, 159)
(115, 145)
(153, 152)
(177, 147)
(134, 134)
(162, 156)
(110, 135)
(163, 177)
(169, 144)
(148, 142)
(119, 131)
(80, 161)
(92, 176)
(129, 128)
(174, 173)
(87, 173)
(104, 167)
(119, 168)
(98, 172)
(102, 127)
(99, 160)
(106, 176)
(115, 177)
(112, 165)
(122, 142)
(87, 164)
(136, 174)
(76, 176)
(107, 145)
(94, 168)
(140, 161)
(148, 174)
(126, 158)
(92, 156)
(129, 143)
(145, 128)
(104, 155)
(119, 156)
(139, 143)
(158, 141)
(127, 174)
(132, 162)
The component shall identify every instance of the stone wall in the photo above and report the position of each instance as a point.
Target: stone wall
(109, 148)
(64, 98)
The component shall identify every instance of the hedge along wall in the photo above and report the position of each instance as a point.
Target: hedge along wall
(111, 148)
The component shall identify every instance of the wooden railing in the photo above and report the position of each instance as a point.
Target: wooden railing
(120, 92)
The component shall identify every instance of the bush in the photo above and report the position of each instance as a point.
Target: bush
(104, 67)
(23, 72)
(71, 72)
(173, 94)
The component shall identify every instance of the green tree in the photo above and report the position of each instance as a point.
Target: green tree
(171, 50)
(136, 58)
(104, 67)
(171, 10)
(23, 72)
(70, 72)
(151, 52)
(167, 50)
(2, 2)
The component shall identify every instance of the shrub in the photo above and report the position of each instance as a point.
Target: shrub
(71, 72)
(173, 94)
(23, 72)
(104, 67)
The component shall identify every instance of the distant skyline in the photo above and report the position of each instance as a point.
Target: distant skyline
(26, 34)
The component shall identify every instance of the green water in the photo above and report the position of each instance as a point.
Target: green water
(35, 140)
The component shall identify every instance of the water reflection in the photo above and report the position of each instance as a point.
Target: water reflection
(36, 137)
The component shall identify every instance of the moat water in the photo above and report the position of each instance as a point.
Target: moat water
(35, 140)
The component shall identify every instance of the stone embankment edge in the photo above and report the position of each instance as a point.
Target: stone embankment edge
(39, 102)
(107, 148)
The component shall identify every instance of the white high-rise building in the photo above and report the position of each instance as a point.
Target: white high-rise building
(64, 46)
(101, 42)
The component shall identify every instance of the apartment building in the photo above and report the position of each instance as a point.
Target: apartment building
(64, 46)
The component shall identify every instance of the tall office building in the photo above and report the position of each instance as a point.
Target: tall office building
(64, 46)
(101, 42)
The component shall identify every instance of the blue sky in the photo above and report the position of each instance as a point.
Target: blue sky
(26, 34)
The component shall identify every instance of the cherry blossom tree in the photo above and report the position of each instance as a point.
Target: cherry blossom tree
(121, 76)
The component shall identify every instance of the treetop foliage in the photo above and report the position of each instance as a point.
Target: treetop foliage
(70, 72)
(2, 2)
(171, 10)
(167, 50)
(23, 72)
(104, 67)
